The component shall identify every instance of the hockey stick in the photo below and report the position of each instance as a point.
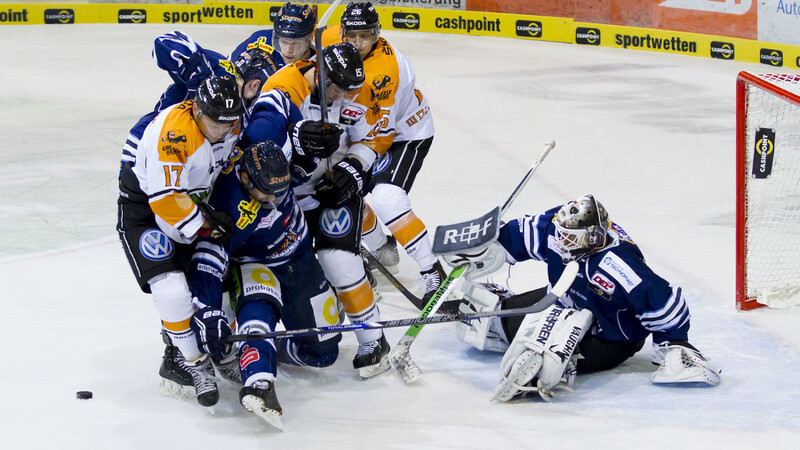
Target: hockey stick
(401, 356)
(323, 21)
(540, 305)
(372, 260)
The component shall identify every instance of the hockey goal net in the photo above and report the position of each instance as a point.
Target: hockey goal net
(767, 190)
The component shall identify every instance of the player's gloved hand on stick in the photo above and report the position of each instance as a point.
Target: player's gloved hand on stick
(345, 181)
(220, 224)
(210, 328)
(314, 138)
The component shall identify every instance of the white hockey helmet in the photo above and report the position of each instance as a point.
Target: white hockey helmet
(581, 227)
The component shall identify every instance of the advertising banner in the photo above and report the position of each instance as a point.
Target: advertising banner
(779, 21)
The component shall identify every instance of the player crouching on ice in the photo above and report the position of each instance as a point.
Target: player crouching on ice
(615, 302)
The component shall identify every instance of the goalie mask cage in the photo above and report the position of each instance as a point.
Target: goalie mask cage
(767, 190)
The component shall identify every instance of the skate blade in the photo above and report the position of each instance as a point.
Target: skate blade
(408, 370)
(172, 389)
(256, 406)
(375, 369)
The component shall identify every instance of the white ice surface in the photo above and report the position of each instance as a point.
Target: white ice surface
(651, 135)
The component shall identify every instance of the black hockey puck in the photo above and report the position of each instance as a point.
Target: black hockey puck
(84, 395)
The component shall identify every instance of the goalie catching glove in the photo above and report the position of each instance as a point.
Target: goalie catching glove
(210, 328)
(680, 362)
(220, 224)
(313, 138)
(346, 181)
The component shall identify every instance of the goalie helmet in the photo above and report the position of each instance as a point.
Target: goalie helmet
(360, 16)
(581, 227)
(218, 99)
(294, 21)
(255, 63)
(344, 66)
(267, 169)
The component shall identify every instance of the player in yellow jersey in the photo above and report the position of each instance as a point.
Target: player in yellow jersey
(403, 134)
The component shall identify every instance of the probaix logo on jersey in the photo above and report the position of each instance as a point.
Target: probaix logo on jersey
(405, 21)
(529, 28)
(763, 153)
(722, 50)
(155, 245)
(771, 57)
(58, 16)
(587, 36)
(336, 222)
(132, 16)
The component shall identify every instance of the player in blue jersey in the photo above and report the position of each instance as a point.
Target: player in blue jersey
(291, 34)
(272, 274)
(615, 303)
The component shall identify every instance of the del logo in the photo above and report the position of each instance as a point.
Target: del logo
(529, 28)
(382, 163)
(59, 16)
(587, 36)
(763, 153)
(722, 50)
(603, 283)
(273, 13)
(350, 114)
(132, 16)
(405, 21)
(771, 57)
(336, 222)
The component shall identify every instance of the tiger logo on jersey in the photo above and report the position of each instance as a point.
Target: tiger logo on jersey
(379, 83)
(174, 142)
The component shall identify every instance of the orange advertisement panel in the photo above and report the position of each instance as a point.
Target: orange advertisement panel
(557, 8)
(736, 18)
(632, 13)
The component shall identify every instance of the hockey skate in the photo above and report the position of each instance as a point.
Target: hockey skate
(372, 358)
(228, 368)
(433, 278)
(175, 381)
(202, 372)
(388, 256)
(260, 399)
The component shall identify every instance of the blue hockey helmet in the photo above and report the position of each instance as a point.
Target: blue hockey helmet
(255, 63)
(581, 227)
(267, 170)
(294, 21)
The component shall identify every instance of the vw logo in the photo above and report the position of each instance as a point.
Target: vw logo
(382, 163)
(336, 222)
(155, 245)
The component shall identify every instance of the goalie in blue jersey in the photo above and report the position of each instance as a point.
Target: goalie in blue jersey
(612, 307)
(272, 274)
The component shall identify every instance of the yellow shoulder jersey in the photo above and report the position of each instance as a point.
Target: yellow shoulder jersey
(177, 165)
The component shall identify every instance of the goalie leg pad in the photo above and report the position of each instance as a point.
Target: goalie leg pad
(561, 346)
(486, 333)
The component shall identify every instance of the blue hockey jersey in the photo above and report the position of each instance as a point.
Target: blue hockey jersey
(628, 300)
(262, 235)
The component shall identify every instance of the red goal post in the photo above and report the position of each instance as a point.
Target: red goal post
(767, 190)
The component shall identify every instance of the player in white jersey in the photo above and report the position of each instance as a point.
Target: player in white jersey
(333, 203)
(161, 212)
(404, 135)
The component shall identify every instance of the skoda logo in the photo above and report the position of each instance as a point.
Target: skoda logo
(336, 222)
(155, 245)
(382, 163)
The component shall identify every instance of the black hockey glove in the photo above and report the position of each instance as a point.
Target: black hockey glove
(220, 224)
(210, 328)
(313, 138)
(345, 181)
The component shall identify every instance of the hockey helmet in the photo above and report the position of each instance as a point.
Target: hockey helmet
(344, 66)
(267, 169)
(255, 63)
(360, 16)
(294, 21)
(218, 99)
(581, 227)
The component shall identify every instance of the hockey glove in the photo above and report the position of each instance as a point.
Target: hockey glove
(221, 225)
(312, 138)
(195, 70)
(210, 328)
(345, 181)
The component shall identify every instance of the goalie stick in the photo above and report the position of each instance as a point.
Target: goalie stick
(451, 239)
(540, 305)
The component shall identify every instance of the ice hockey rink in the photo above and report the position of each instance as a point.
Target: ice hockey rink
(651, 135)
